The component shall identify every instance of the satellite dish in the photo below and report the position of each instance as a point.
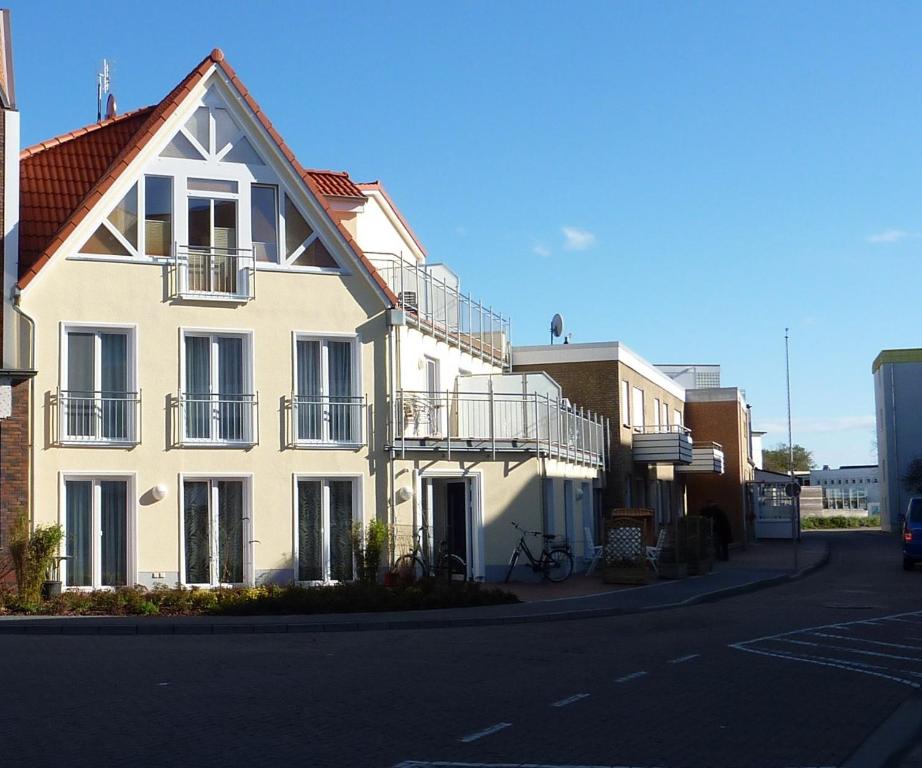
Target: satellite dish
(556, 327)
(111, 106)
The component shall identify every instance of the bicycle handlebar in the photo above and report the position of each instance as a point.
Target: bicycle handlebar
(514, 524)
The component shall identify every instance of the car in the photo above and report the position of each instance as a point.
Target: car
(912, 534)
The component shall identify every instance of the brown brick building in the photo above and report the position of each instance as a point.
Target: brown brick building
(722, 415)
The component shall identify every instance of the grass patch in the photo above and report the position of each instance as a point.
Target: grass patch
(260, 601)
(838, 521)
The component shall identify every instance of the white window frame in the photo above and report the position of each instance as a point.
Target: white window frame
(677, 418)
(634, 414)
(131, 364)
(249, 540)
(249, 376)
(358, 516)
(626, 403)
(656, 412)
(323, 337)
(131, 534)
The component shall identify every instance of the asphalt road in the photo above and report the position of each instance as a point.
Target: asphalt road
(762, 680)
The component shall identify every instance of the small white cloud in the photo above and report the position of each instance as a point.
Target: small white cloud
(890, 236)
(575, 239)
(540, 249)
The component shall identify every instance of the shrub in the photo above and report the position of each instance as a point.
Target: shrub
(369, 549)
(839, 521)
(270, 599)
(33, 554)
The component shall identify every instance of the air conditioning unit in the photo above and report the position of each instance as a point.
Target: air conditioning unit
(408, 300)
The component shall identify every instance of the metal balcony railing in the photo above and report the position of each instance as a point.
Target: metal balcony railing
(216, 419)
(98, 417)
(222, 274)
(328, 421)
(437, 307)
(497, 422)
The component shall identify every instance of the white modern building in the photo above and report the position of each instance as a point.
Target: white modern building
(898, 408)
(849, 488)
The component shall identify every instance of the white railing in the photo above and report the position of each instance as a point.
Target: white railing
(662, 429)
(218, 419)
(497, 422)
(319, 421)
(224, 274)
(439, 308)
(98, 417)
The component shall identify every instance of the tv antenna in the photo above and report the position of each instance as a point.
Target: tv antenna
(103, 83)
(556, 327)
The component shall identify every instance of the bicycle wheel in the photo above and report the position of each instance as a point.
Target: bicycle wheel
(512, 561)
(452, 568)
(558, 565)
(409, 568)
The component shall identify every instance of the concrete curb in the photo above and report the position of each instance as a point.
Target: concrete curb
(194, 626)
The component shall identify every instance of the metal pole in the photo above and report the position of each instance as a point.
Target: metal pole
(794, 499)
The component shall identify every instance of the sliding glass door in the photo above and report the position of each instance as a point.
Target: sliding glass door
(96, 532)
(214, 532)
(325, 518)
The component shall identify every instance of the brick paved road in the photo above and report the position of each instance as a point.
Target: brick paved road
(690, 687)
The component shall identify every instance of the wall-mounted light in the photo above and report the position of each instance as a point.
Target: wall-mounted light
(404, 493)
(159, 492)
(579, 493)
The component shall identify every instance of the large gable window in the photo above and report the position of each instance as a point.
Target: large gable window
(158, 215)
(303, 247)
(212, 134)
(118, 233)
(264, 217)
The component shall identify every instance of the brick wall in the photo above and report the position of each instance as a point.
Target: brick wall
(721, 422)
(14, 464)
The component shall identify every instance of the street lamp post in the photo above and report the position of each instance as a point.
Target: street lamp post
(795, 497)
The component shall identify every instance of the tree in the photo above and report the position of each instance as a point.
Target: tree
(913, 477)
(778, 459)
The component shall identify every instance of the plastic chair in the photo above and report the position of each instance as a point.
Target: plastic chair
(653, 553)
(593, 550)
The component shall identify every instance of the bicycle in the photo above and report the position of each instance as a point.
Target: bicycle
(555, 562)
(415, 565)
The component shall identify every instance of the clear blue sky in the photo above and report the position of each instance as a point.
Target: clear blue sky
(686, 178)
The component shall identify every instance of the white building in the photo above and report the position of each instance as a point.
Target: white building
(855, 487)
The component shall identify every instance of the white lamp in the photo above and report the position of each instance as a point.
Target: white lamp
(159, 492)
(404, 494)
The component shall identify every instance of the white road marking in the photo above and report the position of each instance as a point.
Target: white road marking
(485, 732)
(838, 663)
(632, 676)
(570, 699)
(872, 642)
(683, 659)
(452, 764)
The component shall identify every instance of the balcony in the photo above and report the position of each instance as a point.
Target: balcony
(431, 298)
(655, 444)
(217, 420)
(495, 423)
(98, 418)
(213, 274)
(707, 458)
(327, 422)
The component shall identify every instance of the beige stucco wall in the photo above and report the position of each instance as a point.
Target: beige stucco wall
(118, 293)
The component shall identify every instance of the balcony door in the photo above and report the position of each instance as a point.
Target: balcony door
(96, 402)
(328, 407)
(217, 402)
(96, 532)
(215, 532)
(213, 255)
(325, 511)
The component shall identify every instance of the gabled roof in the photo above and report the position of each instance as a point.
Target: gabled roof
(377, 186)
(335, 184)
(68, 175)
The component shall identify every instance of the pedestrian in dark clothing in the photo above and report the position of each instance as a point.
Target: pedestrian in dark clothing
(723, 534)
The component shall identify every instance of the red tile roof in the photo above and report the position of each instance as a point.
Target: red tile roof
(57, 174)
(84, 184)
(335, 184)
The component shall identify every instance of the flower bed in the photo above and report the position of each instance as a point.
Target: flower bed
(265, 600)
